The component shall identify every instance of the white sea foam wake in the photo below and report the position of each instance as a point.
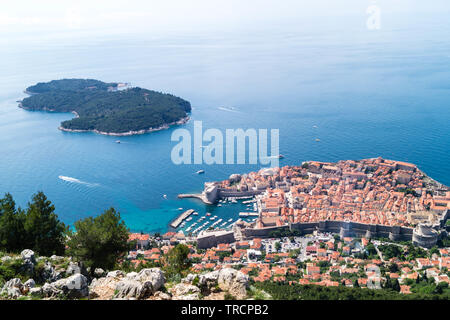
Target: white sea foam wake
(75, 180)
(231, 109)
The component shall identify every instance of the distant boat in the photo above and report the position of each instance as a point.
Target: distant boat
(317, 140)
(200, 171)
(180, 209)
(117, 141)
(280, 156)
(195, 213)
(165, 196)
(208, 214)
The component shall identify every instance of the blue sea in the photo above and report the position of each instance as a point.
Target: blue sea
(362, 93)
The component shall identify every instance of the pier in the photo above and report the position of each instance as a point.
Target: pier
(248, 214)
(199, 196)
(174, 224)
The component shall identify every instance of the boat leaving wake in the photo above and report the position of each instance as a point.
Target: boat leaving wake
(229, 109)
(74, 180)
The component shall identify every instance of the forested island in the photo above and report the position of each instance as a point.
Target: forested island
(107, 108)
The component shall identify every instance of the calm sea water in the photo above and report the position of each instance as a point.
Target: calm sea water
(383, 93)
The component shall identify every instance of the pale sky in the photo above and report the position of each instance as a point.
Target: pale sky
(31, 16)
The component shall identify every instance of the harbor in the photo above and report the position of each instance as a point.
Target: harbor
(176, 223)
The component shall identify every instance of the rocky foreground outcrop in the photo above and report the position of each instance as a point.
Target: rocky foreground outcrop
(117, 285)
(150, 284)
(195, 287)
(73, 282)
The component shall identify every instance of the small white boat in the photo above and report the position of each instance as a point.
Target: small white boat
(195, 213)
(180, 209)
(117, 141)
(165, 196)
(200, 171)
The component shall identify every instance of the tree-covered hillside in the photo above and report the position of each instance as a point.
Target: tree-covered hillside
(70, 84)
(101, 107)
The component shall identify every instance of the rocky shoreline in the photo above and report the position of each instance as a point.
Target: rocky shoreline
(128, 133)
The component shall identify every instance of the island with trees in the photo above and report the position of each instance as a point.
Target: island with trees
(107, 108)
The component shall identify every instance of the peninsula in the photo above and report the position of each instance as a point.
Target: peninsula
(365, 198)
(107, 108)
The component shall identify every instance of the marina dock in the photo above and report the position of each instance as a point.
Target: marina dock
(248, 214)
(174, 224)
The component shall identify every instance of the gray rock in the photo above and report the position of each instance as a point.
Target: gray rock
(50, 290)
(115, 274)
(36, 292)
(73, 287)
(183, 289)
(159, 295)
(56, 258)
(140, 285)
(189, 278)
(103, 288)
(28, 261)
(131, 275)
(5, 258)
(152, 276)
(49, 274)
(193, 296)
(209, 280)
(30, 283)
(28, 254)
(233, 281)
(73, 268)
(13, 288)
(129, 288)
(228, 279)
(99, 272)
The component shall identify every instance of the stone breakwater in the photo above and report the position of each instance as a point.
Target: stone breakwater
(129, 133)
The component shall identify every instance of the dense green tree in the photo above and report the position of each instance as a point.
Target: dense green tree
(395, 285)
(99, 241)
(99, 108)
(277, 246)
(294, 291)
(177, 260)
(393, 267)
(11, 225)
(44, 232)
